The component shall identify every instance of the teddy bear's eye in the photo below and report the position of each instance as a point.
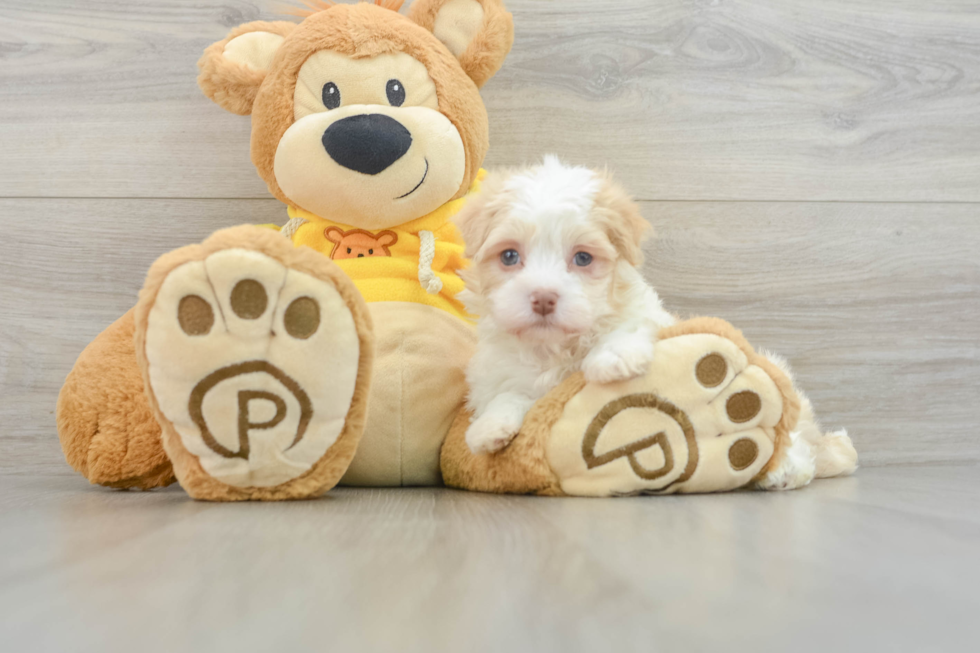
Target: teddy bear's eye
(396, 93)
(331, 95)
(371, 252)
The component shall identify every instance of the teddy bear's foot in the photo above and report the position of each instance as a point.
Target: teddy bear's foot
(704, 418)
(709, 415)
(256, 356)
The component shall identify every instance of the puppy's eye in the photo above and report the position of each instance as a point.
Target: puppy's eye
(583, 259)
(510, 257)
(331, 95)
(396, 93)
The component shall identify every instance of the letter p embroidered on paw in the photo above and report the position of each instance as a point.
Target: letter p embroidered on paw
(703, 419)
(258, 410)
(253, 363)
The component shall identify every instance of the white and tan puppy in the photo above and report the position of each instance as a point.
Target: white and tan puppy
(556, 286)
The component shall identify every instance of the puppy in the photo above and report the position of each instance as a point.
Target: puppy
(554, 280)
(555, 283)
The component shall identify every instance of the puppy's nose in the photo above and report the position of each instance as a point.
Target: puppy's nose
(368, 143)
(543, 302)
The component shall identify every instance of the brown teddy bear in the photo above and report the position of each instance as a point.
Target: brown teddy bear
(248, 366)
(368, 124)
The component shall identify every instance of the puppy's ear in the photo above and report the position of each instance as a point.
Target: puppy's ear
(621, 219)
(475, 220)
(233, 69)
(479, 33)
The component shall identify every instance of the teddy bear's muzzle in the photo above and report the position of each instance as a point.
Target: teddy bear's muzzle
(367, 143)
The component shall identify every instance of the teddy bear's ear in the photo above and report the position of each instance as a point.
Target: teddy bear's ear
(233, 69)
(478, 32)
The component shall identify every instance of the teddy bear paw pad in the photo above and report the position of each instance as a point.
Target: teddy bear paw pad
(702, 419)
(254, 365)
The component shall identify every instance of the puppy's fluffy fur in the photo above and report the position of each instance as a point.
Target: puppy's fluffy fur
(601, 317)
(555, 283)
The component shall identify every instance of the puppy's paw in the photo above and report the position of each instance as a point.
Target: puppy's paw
(620, 358)
(491, 432)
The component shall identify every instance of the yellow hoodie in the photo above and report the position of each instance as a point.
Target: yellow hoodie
(385, 264)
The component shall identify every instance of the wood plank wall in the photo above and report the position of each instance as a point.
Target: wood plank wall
(812, 168)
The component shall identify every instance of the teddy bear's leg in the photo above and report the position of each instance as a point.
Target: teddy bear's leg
(709, 415)
(256, 357)
(418, 389)
(106, 427)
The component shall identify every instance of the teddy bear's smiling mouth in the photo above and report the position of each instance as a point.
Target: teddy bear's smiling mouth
(418, 185)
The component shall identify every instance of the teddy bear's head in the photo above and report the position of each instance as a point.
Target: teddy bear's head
(361, 115)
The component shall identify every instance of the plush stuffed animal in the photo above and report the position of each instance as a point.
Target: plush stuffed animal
(258, 366)
(369, 126)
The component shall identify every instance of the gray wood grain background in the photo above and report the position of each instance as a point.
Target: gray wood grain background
(812, 168)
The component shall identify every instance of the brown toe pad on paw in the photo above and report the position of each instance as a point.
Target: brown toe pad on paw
(742, 454)
(195, 315)
(249, 299)
(711, 370)
(302, 318)
(743, 406)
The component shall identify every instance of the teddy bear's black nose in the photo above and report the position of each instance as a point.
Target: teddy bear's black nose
(367, 143)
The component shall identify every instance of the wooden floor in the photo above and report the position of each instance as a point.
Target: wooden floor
(813, 171)
(884, 561)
